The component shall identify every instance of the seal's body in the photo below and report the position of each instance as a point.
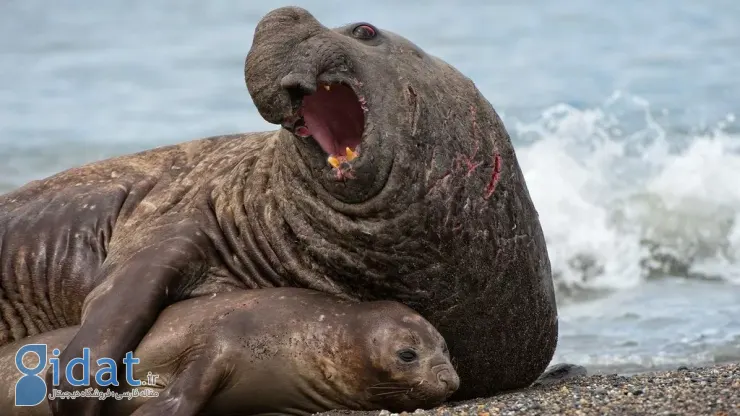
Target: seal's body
(391, 177)
(287, 350)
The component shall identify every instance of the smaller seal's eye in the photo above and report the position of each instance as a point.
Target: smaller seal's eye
(364, 32)
(407, 355)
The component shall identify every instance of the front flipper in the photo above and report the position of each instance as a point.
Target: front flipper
(190, 390)
(124, 306)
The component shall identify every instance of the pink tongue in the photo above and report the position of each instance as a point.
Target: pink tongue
(322, 133)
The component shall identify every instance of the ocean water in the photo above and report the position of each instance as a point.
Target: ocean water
(623, 114)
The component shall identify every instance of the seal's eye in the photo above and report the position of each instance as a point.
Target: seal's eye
(407, 355)
(364, 32)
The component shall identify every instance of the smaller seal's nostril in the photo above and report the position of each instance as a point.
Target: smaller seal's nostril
(443, 376)
(449, 379)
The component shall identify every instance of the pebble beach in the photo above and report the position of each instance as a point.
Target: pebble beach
(697, 391)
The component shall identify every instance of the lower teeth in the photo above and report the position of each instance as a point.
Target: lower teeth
(333, 161)
(336, 161)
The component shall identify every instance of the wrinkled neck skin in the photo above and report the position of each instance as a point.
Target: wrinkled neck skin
(285, 225)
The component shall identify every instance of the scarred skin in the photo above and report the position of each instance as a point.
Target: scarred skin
(436, 215)
(283, 350)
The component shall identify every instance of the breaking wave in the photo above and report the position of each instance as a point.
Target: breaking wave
(623, 198)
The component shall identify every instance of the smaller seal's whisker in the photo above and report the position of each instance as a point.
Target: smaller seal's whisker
(391, 393)
(387, 388)
(390, 383)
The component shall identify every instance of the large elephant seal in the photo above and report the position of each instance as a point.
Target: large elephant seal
(430, 209)
(286, 351)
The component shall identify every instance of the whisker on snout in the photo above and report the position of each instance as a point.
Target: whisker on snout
(389, 383)
(387, 388)
(391, 393)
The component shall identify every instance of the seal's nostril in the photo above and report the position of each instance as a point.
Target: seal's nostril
(443, 376)
(450, 380)
(298, 85)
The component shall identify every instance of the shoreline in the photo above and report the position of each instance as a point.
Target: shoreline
(710, 390)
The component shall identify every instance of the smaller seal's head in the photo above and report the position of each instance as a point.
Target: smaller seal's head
(409, 364)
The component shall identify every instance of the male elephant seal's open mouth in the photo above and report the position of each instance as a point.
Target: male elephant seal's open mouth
(334, 116)
(326, 89)
(330, 109)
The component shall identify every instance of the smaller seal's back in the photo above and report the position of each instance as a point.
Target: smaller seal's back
(275, 351)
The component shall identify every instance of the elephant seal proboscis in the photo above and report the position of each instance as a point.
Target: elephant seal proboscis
(271, 351)
(430, 209)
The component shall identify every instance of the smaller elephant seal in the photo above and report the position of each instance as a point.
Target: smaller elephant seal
(277, 350)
